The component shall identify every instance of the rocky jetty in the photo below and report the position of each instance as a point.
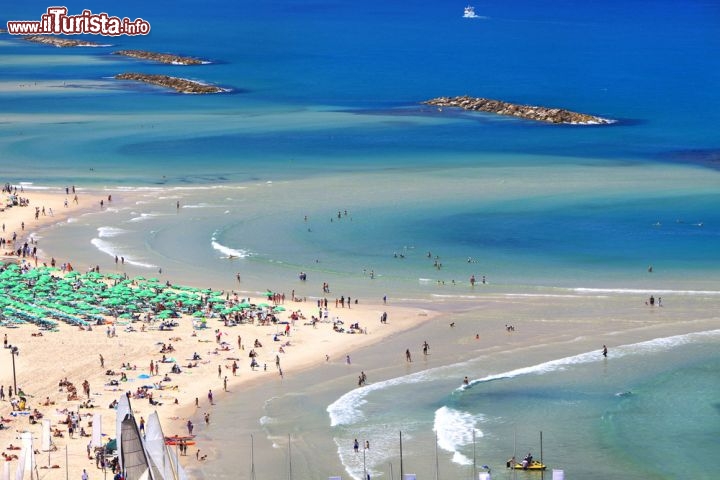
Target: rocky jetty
(180, 85)
(160, 57)
(530, 112)
(59, 41)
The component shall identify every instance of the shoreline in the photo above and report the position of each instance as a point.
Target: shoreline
(40, 349)
(379, 353)
(495, 351)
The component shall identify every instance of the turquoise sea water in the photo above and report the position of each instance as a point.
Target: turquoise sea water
(626, 417)
(324, 116)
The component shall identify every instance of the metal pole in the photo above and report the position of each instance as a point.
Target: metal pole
(252, 458)
(364, 465)
(474, 474)
(177, 461)
(289, 459)
(437, 465)
(542, 472)
(13, 352)
(401, 459)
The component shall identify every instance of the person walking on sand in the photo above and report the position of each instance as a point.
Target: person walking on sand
(408, 358)
(210, 397)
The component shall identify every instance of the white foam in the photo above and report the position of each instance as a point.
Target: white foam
(146, 216)
(31, 186)
(346, 409)
(200, 205)
(112, 250)
(454, 429)
(228, 251)
(438, 295)
(636, 291)
(642, 348)
(546, 295)
(106, 232)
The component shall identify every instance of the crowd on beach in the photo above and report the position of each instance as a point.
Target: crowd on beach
(48, 301)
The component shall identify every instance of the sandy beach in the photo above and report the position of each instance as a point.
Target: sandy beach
(544, 327)
(102, 357)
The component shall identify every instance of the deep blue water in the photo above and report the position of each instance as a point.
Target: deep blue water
(648, 64)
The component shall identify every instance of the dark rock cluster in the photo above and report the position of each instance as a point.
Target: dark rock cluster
(180, 85)
(530, 112)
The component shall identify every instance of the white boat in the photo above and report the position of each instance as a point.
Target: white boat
(470, 12)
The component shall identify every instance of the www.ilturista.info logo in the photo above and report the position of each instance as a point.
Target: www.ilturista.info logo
(57, 22)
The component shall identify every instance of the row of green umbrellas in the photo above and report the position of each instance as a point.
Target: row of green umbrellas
(42, 294)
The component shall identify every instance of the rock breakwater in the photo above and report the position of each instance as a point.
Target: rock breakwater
(180, 85)
(160, 57)
(530, 112)
(59, 41)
